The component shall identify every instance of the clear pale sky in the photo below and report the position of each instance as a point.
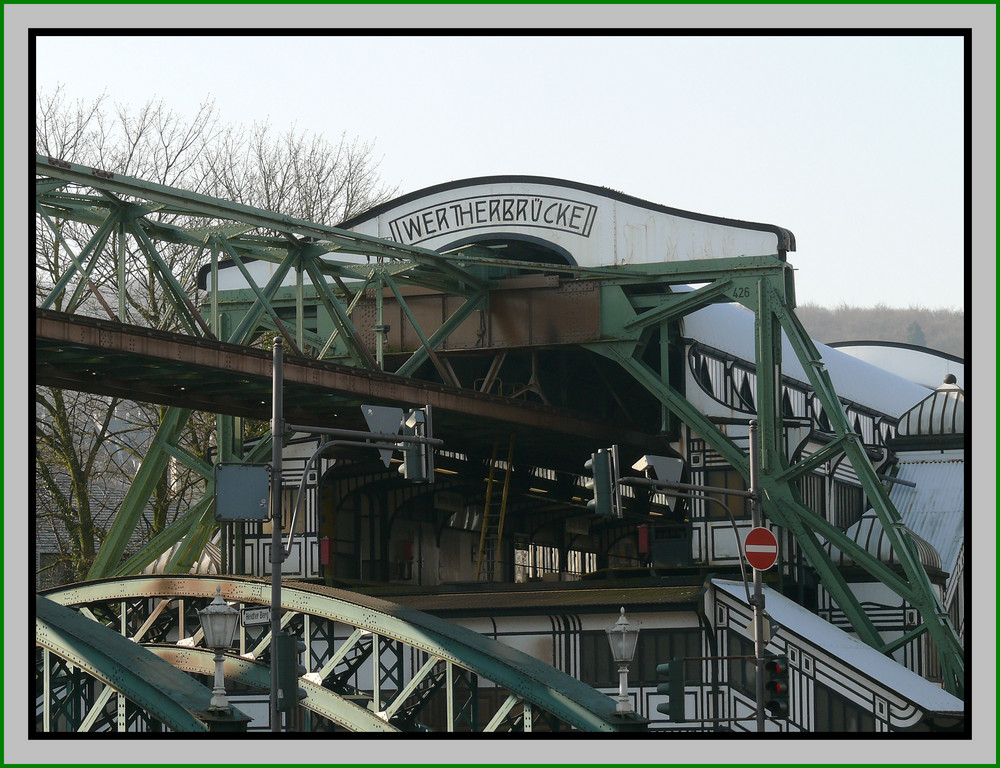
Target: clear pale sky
(855, 144)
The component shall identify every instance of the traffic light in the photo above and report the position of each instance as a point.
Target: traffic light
(599, 466)
(287, 650)
(418, 458)
(776, 685)
(673, 686)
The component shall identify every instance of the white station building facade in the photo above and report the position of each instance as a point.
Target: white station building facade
(564, 579)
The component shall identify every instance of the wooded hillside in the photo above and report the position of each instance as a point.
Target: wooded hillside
(940, 329)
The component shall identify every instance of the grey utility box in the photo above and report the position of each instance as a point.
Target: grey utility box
(242, 491)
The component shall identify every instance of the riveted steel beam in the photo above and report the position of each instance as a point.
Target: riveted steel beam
(90, 251)
(254, 674)
(172, 289)
(921, 593)
(154, 463)
(184, 523)
(171, 696)
(553, 691)
(679, 304)
(244, 366)
(764, 292)
(212, 208)
(361, 356)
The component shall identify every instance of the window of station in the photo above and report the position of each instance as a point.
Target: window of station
(725, 478)
(287, 501)
(658, 646)
(535, 561)
(848, 504)
(813, 491)
(835, 714)
(579, 563)
(742, 667)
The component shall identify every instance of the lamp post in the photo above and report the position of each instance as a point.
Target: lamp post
(219, 622)
(622, 638)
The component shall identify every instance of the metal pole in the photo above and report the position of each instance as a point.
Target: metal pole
(277, 551)
(624, 704)
(758, 589)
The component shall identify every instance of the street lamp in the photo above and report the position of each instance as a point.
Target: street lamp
(219, 621)
(622, 638)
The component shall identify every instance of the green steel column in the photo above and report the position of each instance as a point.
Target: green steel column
(379, 322)
(163, 541)
(664, 373)
(299, 308)
(154, 463)
(122, 278)
(922, 597)
(197, 537)
(216, 319)
(90, 251)
(768, 352)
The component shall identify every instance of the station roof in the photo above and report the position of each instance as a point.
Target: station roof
(730, 329)
(935, 508)
(940, 413)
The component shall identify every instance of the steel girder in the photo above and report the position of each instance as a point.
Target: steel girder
(254, 674)
(766, 290)
(153, 214)
(172, 697)
(538, 687)
(762, 284)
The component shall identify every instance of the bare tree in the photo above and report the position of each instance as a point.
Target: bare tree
(88, 447)
(295, 173)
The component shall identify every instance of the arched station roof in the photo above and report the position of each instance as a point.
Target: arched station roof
(596, 225)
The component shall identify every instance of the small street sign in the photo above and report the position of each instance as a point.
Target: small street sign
(761, 548)
(242, 491)
(383, 419)
(255, 617)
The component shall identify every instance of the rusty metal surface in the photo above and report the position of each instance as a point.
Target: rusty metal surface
(104, 357)
(540, 310)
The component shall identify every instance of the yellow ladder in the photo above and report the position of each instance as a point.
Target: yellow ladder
(492, 531)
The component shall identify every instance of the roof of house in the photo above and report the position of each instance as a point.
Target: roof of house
(940, 413)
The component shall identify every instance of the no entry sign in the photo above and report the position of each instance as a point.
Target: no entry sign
(761, 548)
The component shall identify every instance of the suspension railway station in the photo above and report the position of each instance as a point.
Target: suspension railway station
(541, 320)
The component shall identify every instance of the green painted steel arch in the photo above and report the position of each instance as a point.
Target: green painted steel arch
(318, 699)
(554, 691)
(170, 695)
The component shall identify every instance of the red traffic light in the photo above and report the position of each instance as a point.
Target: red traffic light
(777, 666)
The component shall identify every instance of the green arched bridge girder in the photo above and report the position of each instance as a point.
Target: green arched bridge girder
(318, 699)
(526, 677)
(168, 694)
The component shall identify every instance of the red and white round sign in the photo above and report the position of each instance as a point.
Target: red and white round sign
(761, 548)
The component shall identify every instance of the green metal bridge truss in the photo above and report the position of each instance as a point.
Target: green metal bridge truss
(133, 219)
(375, 666)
